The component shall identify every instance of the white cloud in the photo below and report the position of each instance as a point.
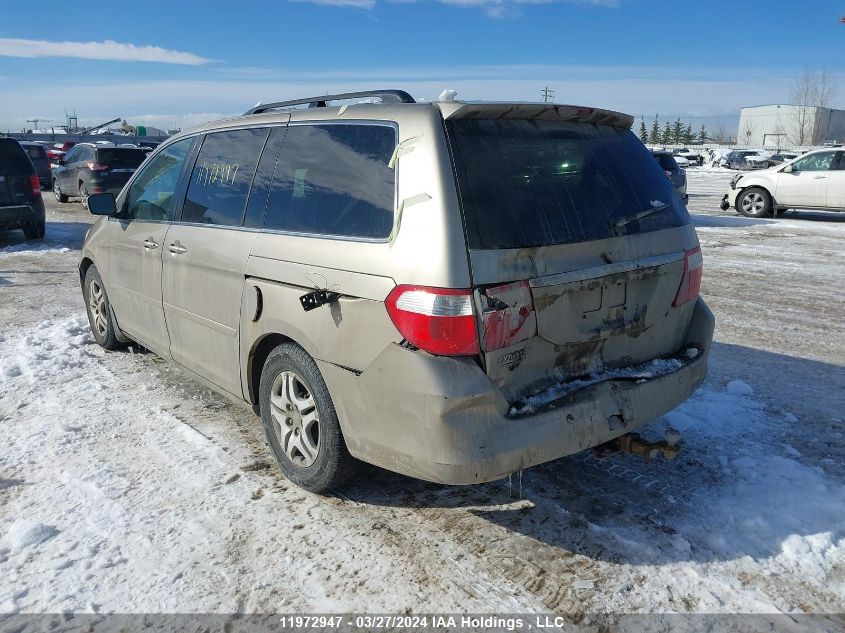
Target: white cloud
(107, 50)
(715, 93)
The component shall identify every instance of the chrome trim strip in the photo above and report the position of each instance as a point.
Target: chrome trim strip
(607, 269)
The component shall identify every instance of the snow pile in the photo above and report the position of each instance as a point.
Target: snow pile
(24, 533)
(740, 388)
(651, 369)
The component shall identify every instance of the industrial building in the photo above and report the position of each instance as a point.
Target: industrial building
(776, 126)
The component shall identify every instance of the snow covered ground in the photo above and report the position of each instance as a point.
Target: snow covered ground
(126, 487)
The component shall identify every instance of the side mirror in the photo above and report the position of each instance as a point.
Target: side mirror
(787, 169)
(102, 204)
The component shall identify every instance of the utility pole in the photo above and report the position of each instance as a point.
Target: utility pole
(35, 122)
(548, 94)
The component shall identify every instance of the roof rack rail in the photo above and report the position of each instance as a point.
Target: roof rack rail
(398, 96)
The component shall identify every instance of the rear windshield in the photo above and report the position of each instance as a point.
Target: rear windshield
(121, 157)
(13, 160)
(36, 152)
(536, 183)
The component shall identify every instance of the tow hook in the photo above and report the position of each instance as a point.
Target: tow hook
(634, 444)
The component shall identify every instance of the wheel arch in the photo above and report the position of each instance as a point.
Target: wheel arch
(84, 264)
(258, 354)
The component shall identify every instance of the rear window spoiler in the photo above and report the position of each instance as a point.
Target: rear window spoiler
(547, 111)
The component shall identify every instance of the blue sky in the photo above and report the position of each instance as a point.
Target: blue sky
(178, 63)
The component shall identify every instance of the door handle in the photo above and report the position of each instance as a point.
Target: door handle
(177, 248)
(150, 244)
(819, 177)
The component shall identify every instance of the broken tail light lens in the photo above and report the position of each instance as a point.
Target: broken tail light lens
(507, 315)
(36, 185)
(437, 320)
(691, 280)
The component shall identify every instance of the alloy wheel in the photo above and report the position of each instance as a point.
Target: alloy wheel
(98, 305)
(295, 419)
(753, 203)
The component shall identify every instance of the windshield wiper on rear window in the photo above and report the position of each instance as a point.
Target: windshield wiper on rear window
(640, 214)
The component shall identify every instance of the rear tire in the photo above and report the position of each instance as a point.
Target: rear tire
(99, 311)
(60, 197)
(35, 231)
(754, 202)
(300, 421)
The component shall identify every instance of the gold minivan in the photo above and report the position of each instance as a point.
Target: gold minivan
(450, 290)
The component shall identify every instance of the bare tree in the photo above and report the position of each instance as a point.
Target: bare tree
(811, 90)
(825, 88)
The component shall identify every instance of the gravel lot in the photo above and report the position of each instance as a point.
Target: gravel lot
(126, 487)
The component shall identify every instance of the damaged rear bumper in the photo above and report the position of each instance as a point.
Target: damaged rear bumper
(443, 420)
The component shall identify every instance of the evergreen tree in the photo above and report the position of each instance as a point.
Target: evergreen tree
(654, 137)
(702, 134)
(688, 135)
(667, 134)
(677, 131)
(643, 131)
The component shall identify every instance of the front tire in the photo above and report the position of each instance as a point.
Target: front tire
(60, 197)
(754, 202)
(300, 421)
(99, 311)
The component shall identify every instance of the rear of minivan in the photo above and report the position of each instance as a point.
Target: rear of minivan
(459, 291)
(582, 322)
(21, 205)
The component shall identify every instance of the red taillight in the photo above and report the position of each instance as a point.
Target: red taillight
(36, 185)
(96, 166)
(437, 320)
(691, 281)
(507, 315)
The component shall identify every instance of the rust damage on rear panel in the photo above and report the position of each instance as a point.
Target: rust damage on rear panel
(579, 359)
(618, 324)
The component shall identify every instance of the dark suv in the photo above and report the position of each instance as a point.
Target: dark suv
(38, 155)
(89, 168)
(21, 206)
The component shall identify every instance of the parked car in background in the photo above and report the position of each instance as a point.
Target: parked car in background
(781, 157)
(693, 156)
(674, 172)
(538, 244)
(38, 155)
(739, 159)
(682, 161)
(88, 168)
(21, 205)
(816, 180)
(759, 160)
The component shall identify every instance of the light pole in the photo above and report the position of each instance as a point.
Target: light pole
(548, 94)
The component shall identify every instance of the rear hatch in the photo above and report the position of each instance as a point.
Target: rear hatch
(117, 164)
(16, 173)
(578, 245)
(38, 156)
